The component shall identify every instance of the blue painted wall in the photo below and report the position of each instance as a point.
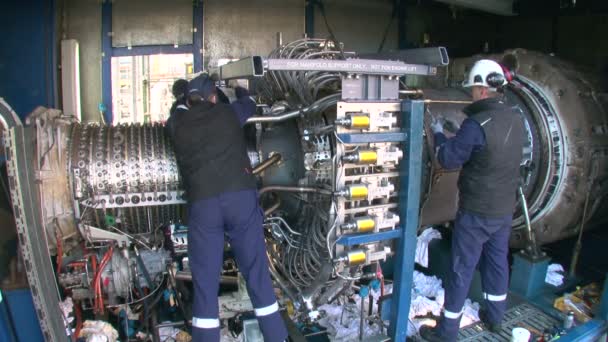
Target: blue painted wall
(27, 54)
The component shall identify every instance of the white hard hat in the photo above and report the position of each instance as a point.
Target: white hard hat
(486, 73)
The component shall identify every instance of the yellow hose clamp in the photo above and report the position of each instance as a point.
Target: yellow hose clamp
(357, 192)
(356, 257)
(365, 224)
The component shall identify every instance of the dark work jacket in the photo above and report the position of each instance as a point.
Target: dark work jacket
(489, 180)
(178, 107)
(211, 152)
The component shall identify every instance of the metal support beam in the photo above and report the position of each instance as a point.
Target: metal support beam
(256, 66)
(355, 66)
(409, 207)
(434, 56)
(309, 18)
(351, 240)
(150, 50)
(32, 236)
(372, 138)
(52, 92)
(402, 25)
(106, 59)
(197, 36)
(603, 310)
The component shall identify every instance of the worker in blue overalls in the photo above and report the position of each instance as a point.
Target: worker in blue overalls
(488, 146)
(222, 201)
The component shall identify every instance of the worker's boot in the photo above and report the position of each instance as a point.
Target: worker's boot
(492, 327)
(430, 334)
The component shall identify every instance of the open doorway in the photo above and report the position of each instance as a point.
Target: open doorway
(141, 86)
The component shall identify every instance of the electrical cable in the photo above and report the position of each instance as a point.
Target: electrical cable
(396, 6)
(141, 299)
(331, 32)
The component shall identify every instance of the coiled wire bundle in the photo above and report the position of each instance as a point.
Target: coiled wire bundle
(302, 88)
(300, 253)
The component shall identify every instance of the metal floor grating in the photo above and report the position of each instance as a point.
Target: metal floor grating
(522, 313)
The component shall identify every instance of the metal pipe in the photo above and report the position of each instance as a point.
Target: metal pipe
(412, 92)
(362, 318)
(275, 118)
(301, 189)
(310, 293)
(448, 101)
(281, 282)
(224, 280)
(328, 100)
(579, 241)
(274, 207)
(8, 117)
(275, 158)
(532, 248)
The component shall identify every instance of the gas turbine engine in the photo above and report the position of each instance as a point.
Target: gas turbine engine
(117, 189)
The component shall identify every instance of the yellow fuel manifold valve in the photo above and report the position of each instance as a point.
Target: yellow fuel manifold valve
(380, 156)
(372, 121)
(363, 224)
(353, 258)
(354, 192)
(354, 121)
(362, 256)
(361, 157)
(367, 190)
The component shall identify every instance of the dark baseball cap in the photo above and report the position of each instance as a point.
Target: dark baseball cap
(202, 85)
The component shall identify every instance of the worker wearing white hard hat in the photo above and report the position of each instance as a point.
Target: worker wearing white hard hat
(488, 149)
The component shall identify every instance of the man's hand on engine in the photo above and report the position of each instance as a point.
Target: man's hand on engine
(437, 124)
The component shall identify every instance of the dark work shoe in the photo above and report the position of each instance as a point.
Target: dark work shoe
(430, 334)
(492, 327)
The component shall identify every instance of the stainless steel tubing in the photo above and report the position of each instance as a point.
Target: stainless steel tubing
(295, 189)
(267, 163)
(224, 280)
(317, 106)
(274, 207)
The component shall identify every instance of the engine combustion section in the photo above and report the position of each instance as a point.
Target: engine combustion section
(566, 150)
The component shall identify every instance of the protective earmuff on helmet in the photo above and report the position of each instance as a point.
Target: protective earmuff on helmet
(495, 80)
(486, 73)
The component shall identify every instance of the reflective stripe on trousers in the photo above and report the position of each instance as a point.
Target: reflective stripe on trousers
(205, 323)
(451, 315)
(494, 298)
(267, 310)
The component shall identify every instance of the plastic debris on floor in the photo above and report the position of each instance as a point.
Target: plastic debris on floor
(555, 275)
(582, 302)
(67, 307)
(226, 336)
(422, 245)
(173, 334)
(98, 331)
(342, 319)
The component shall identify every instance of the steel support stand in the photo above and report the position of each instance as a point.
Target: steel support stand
(409, 207)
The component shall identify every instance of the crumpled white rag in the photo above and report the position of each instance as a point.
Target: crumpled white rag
(422, 245)
(555, 275)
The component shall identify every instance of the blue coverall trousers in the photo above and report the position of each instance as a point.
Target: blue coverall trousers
(484, 240)
(238, 216)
